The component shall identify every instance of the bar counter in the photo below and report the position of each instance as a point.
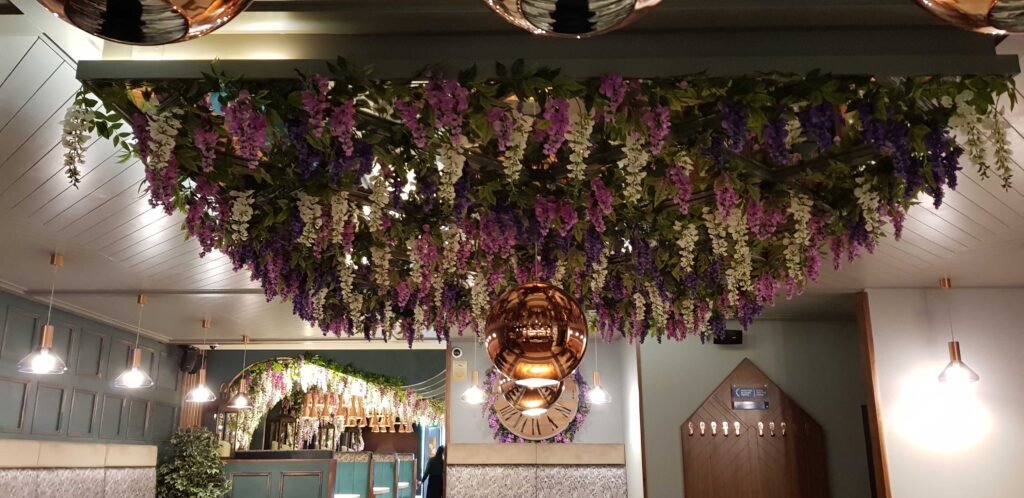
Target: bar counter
(321, 474)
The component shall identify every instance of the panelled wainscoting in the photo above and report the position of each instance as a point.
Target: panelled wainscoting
(82, 404)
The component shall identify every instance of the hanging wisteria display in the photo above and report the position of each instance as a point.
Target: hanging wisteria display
(665, 206)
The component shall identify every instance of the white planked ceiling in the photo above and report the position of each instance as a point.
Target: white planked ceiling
(113, 239)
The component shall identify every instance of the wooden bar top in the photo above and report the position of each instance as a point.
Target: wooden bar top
(535, 454)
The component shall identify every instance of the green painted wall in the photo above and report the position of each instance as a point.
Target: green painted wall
(82, 404)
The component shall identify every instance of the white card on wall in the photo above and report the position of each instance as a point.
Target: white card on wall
(460, 370)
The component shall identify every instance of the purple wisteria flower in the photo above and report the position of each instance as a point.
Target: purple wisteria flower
(734, 122)
(658, 122)
(556, 112)
(206, 141)
(684, 188)
(449, 100)
(248, 128)
(613, 88)
(343, 123)
(819, 121)
(409, 111)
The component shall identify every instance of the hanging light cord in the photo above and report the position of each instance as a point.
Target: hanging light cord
(949, 312)
(53, 286)
(138, 331)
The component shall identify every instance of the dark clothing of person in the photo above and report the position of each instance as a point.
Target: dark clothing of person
(434, 477)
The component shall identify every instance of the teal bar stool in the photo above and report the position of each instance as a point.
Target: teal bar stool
(383, 475)
(405, 482)
(352, 479)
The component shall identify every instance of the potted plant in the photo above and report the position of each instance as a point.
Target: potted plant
(193, 469)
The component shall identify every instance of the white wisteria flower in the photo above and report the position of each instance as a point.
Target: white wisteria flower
(451, 159)
(77, 122)
(581, 126)
(163, 130)
(870, 205)
(687, 240)
(241, 213)
(522, 125)
(634, 163)
(341, 211)
(310, 212)
(799, 238)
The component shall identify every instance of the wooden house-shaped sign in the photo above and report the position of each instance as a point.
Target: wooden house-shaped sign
(750, 440)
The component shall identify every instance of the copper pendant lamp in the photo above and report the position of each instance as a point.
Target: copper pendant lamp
(985, 16)
(147, 22)
(956, 371)
(43, 360)
(532, 401)
(536, 335)
(134, 377)
(571, 18)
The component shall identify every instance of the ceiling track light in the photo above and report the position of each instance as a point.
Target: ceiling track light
(956, 372)
(201, 393)
(241, 401)
(42, 360)
(135, 377)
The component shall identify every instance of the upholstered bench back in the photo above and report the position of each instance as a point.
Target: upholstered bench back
(50, 469)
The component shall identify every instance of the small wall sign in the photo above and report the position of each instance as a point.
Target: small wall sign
(749, 397)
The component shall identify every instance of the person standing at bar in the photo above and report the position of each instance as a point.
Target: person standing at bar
(434, 475)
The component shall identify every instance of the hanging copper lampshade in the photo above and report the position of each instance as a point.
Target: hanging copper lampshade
(532, 401)
(571, 18)
(147, 22)
(985, 16)
(536, 334)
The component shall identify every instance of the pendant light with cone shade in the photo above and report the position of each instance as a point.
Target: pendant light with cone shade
(597, 395)
(956, 372)
(241, 400)
(42, 360)
(201, 393)
(134, 377)
(474, 395)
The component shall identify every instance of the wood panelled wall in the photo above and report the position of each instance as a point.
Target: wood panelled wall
(82, 404)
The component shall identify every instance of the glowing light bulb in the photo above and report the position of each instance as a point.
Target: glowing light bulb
(474, 395)
(201, 394)
(44, 361)
(958, 373)
(598, 396)
(534, 412)
(240, 402)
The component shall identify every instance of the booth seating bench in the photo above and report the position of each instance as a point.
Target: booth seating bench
(53, 469)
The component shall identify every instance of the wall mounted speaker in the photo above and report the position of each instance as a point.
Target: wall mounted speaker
(730, 338)
(191, 360)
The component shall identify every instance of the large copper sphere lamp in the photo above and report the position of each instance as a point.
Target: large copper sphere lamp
(532, 401)
(571, 18)
(536, 335)
(147, 22)
(985, 16)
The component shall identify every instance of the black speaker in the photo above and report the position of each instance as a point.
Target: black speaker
(730, 338)
(191, 360)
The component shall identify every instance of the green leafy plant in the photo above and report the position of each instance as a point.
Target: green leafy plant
(194, 469)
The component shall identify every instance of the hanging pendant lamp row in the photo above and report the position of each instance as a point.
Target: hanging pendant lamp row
(201, 393)
(42, 360)
(956, 372)
(135, 377)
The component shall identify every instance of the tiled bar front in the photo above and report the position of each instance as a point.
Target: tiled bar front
(536, 470)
